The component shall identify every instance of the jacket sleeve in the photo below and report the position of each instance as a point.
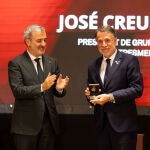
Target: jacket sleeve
(134, 81)
(16, 81)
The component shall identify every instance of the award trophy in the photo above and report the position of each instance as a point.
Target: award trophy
(94, 90)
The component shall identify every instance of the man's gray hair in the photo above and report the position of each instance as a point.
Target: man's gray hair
(106, 29)
(30, 28)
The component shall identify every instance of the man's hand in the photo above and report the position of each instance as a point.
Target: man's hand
(49, 81)
(62, 83)
(101, 99)
(87, 93)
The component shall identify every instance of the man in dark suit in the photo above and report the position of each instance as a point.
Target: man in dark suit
(120, 82)
(35, 79)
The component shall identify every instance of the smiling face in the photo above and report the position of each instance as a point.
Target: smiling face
(106, 43)
(36, 45)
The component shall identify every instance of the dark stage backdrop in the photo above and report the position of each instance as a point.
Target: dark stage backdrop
(70, 26)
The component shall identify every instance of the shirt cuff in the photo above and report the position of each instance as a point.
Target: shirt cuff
(60, 92)
(112, 99)
(42, 88)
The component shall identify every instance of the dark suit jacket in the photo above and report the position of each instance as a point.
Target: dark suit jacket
(29, 104)
(125, 83)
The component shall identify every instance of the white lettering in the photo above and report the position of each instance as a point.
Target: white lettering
(125, 42)
(140, 42)
(61, 24)
(90, 22)
(82, 22)
(86, 42)
(106, 19)
(127, 23)
(93, 21)
(120, 22)
(131, 22)
(71, 22)
(136, 52)
(139, 22)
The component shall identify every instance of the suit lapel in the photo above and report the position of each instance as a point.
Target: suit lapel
(47, 66)
(28, 62)
(116, 63)
(98, 66)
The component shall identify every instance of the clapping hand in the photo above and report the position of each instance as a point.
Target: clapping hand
(48, 82)
(62, 82)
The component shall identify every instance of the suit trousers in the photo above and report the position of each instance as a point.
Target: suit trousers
(108, 139)
(45, 140)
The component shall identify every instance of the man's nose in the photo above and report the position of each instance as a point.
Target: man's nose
(43, 43)
(104, 43)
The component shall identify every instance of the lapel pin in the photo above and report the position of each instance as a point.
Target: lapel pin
(117, 62)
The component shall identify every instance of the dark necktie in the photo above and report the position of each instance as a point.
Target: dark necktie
(41, 79)
(107, 70)
(39, 70)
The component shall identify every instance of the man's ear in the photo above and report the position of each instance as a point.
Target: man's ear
(27, 42)
(117, 42)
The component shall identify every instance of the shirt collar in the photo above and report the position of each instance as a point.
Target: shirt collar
(112, 56)
(33, 57)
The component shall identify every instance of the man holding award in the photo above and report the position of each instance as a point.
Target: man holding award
(114, 82)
